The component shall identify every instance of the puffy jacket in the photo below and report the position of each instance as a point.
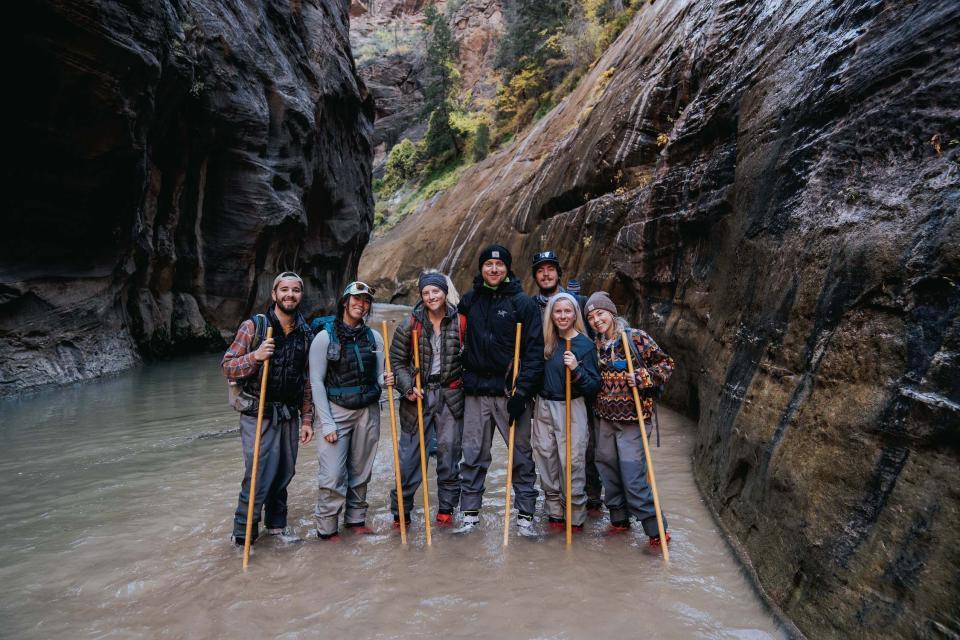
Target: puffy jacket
(451, 372)
(492, 316)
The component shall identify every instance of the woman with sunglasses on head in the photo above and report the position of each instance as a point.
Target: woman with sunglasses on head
(346, 375)
(562, 321)
(619, 452)
(439, 330)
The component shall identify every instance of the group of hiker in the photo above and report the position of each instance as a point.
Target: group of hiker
(327, 377)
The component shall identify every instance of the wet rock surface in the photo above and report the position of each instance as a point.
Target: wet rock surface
(171, 158)
(771, 189)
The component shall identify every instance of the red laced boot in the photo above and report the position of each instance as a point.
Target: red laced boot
(654, 542)
(444, 519)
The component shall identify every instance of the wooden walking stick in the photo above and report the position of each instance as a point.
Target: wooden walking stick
(646, 451)
(393, 438)
(569, 474)
(423, 452)
(510, 439)
(252, 496)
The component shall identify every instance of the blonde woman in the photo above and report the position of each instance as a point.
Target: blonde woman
(561, 321)
(620, 458)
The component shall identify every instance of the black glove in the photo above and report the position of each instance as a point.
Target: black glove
(516, 405)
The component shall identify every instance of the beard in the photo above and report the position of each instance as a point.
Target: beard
(288, 306)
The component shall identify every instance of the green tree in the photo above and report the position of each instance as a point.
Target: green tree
(401, 164)
(481, 142)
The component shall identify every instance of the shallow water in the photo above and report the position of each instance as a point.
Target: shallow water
(117, 507)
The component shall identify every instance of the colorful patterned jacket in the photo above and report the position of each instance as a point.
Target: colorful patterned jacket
(615, 400)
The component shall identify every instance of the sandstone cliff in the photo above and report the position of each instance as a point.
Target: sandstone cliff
(170, 157)
(770, 188)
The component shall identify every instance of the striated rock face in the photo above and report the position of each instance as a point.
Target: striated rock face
(171, 157)
(772, 190)
(389, 37)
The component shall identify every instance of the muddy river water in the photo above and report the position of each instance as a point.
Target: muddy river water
(117, 504)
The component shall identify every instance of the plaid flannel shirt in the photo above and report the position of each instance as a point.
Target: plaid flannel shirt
(239, 363)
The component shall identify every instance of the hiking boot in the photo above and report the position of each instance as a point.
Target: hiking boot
(525, 527)
(556, 523)
(359, 528)
(286, 535)
(594, 511)
(328, 537)
(239, 541)
(471, 520)
(654, 541)
(396, 521)
(620, 526)
(576, 528)
(444, 519)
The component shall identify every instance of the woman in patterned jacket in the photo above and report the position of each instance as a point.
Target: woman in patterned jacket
(619, 452)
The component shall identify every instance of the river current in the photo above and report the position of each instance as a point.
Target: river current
(117, 503)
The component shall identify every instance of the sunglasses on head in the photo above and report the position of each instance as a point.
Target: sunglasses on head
(545, 255)
(358, 289)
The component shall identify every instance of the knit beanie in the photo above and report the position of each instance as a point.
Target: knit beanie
(495, 252)
(601, 300)
(435, 279)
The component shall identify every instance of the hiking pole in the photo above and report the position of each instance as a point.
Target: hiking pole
(646, 451)
(510, 439)
(569, 474)
(252, 496)
(393, 438)
(423, 450)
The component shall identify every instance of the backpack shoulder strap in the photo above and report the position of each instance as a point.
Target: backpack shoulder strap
(462, 326)
(260, 323)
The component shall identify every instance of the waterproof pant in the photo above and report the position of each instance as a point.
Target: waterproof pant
(279, 441)
(594, 484)
(480, 415)
(549, 436)
(437, 421)
(623, 468)
(346, 466)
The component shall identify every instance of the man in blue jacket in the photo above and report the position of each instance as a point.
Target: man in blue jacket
(493, 308)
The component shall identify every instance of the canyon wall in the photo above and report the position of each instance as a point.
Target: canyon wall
(168, 159)
(771, 189)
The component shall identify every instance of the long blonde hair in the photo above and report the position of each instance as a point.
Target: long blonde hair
(550, 333)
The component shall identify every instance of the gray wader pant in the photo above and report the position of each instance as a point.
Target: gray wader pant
(346, 466)
(279, 441)
(549, 431)
(448, 431)
(623, 468)
(594, 485)
(480, 415)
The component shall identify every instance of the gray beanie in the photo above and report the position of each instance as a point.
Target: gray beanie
(601, 300)
(433, 278)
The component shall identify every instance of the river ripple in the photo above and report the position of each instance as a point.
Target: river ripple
(118, 499)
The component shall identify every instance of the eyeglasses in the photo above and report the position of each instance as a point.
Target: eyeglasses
(358, 289)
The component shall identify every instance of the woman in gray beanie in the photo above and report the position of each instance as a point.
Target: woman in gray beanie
(439, 330)
(619, 452)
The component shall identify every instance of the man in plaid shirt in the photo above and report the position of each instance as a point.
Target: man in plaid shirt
(288, 407)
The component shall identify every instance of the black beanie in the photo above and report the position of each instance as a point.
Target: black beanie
(497, 252)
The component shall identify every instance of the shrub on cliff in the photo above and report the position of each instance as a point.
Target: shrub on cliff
(401, 164)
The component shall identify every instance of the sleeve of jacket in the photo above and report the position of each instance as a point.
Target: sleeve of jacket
(531, 347)
(657, 365)
(586, 377)
(400, 357)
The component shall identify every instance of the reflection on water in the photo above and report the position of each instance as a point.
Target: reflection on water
(118, 499)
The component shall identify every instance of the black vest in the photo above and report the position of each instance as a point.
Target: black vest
(287, 375)
(351, 380)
